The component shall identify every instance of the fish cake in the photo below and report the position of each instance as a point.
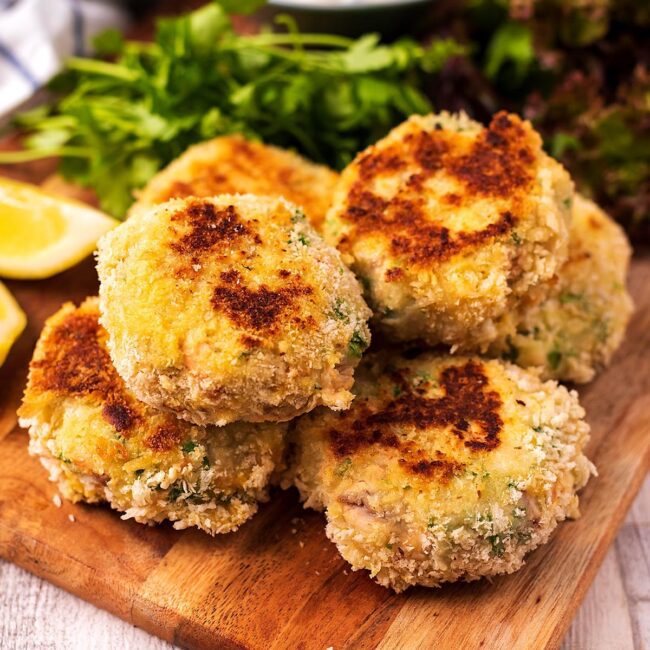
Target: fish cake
(100, 444)
(233, 165)
(450, 225)
(230, 308)
(444, 468)
(573, 333)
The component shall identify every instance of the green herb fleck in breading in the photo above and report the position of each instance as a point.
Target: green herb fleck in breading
(357, 344)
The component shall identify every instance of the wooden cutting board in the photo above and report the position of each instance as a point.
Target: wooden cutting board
(278, 582)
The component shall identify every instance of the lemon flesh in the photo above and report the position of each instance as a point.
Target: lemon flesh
(41, 234)
(12, 322)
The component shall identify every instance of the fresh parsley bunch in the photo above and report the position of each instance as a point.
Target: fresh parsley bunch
(117, 123)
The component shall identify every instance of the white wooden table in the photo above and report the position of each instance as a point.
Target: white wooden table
(35, 615)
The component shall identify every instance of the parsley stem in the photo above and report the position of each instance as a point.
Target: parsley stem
(101, 67)
(26, 155)
(326, 40)
(48, 122)
(306, 59)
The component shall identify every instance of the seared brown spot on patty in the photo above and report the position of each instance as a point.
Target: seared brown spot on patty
(468, 407)
(435, 242)
(441, 467)
(120, 415)
(230, 276)
(164, 437)
(205, 183)
(209, 226)
(261, 308)
(250, 342)
(429, 150)
(498, 162)
(76, 363)
(370, 165)
(396, 273)
(453, 199)
(243, 150)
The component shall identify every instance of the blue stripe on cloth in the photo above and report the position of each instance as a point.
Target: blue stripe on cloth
(78, 28)
(18, 66)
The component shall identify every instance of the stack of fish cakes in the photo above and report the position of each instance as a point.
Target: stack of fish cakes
(472, 237)
(230, 316)
(466, 238)
(99, 443)
(219, 319)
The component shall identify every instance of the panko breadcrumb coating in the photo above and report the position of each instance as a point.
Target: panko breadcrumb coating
(576, 330)
(100, 443)
(450, 224)
(444, 468)
(233, 165)
(230, 308)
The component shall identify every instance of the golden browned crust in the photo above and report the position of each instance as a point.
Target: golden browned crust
(165, 437)
(468, 406)
(232, 165)
(75, 363)
(207, 228)
(261, 309)
(499, 163)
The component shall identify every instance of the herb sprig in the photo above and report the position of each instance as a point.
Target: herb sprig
(118, 122)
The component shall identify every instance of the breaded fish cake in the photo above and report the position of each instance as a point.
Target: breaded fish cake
(100, 443)
(230, 308)
(450, 224)
(444, 468)
(233, 165)
(577, 329)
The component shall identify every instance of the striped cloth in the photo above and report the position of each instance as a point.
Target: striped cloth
(36, 36)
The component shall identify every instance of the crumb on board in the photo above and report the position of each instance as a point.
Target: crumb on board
(72, 518)
(56, 500)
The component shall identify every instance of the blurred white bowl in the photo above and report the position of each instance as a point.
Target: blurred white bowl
(390, 18)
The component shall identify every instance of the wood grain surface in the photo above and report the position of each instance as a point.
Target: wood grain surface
(615, 615)
(278, 582)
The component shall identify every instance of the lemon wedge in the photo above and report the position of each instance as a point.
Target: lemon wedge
(12, 322)
(41, 234)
